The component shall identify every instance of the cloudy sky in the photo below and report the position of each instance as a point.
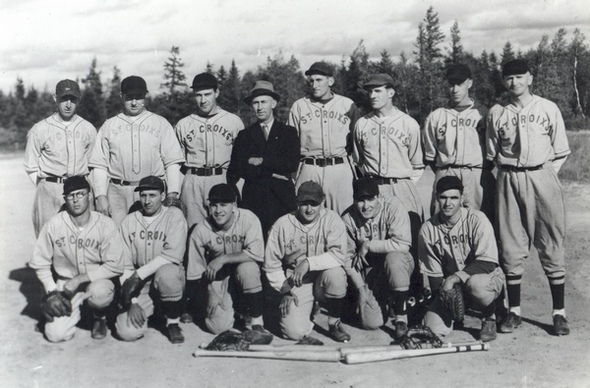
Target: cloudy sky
(43, 41)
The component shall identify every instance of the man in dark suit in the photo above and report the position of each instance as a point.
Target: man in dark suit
(265, 155)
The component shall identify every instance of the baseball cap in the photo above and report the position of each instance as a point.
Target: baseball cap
(310, 192)
(151, 183)
(321, 68)
(449, 183)
(204, 81)
(74, 183)
(67, 87)
(222, 193)
(457, 73)
(365, 188)
(133, 85)
(262, 88)
(379, 80)
(515, 67)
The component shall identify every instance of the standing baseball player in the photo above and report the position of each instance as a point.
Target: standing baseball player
(304, 260)
(224, 258)
(83, 249)
(526, 139)
(387, 148)
(130, 146)
(57, 147)
(206, 138)
(154, 242)
(324, 122)
(378, 258)
(458, 246)
(265, 155)
(454, 143)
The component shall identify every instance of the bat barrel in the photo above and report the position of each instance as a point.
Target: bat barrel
(364, 357)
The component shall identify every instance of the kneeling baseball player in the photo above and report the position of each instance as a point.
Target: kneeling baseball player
(224, 258)
(83, 248)
(154, 242)
(378, 256)
(304, 262)
(457, 251)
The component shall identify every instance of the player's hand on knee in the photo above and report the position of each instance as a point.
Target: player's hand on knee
(300, 271)
(285, 306)
(136, 316)
(102, 205)
(213, 268)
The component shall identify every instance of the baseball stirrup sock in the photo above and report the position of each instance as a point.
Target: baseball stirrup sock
(400, 302)
(558, 296)
(513, 286)
(172, 310)
(255, 303)
(334, 307)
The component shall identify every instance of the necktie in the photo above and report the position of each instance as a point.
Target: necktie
(265, 131)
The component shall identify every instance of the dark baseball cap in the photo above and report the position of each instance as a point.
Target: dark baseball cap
(67, 87)
(151, 183)
(310, 192)
(365, 188)
(379, 80)
(74, 183)
(133, 85)
(204, 81)
(262, 88)
(515, 67)
(457, 73)
(449, 183)
(321, 68)
(222, 193)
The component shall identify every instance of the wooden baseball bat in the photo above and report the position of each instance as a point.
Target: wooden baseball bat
(302, 355)
(364, 357)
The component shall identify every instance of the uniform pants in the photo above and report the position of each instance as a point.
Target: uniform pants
(479, 291)
(47, 203)
(194, 194)
(167, 285)
(121, 198)
(329, 283)
(336, 181)
(531, 209)
(98, 295)
(243, 278)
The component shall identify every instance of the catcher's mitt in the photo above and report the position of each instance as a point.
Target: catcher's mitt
(229, 340)
(174, 201)
(56, 304)
(129, 290)
(369, 309)
(452, 301)
(420, 337)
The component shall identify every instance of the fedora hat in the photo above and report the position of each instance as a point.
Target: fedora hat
(262, 88)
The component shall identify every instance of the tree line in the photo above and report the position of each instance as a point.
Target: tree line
(561, 70)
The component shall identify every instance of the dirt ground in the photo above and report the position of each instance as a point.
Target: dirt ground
(529, 357)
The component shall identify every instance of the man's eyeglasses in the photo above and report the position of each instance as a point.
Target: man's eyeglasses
(78, 195)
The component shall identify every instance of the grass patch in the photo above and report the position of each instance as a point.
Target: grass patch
(577, 166)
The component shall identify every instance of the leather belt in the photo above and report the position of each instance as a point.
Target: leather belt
(204, 171)
(508, 168)
(324, 162)
(55, 179)
(385, 181)
(124, 183)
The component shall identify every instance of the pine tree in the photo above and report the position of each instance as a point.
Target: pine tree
(92, 104)
(175, 101)
(456, 53)
(113, 102)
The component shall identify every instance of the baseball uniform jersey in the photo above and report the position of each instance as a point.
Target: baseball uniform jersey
(454, 140)
(130, 148)
(325, 130)
(55, 150)
(206, 144)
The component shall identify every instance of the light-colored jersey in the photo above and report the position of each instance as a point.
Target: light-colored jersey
(208, 141)
(322, 243)
(442, 251)
(59, 148)
(323, 128)
(207, 242)
(526, 137)
(388, 147)
(165, 236)
(455, 138)
(96, 251)
(388, 231)
(131, 148)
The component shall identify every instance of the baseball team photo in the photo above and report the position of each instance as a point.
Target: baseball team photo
(305, 194)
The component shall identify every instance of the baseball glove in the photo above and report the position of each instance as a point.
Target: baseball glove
(229, 340)
(452, 300)
(369, 309)
(129, 290)
(173, 201)
(55, 304)
(256, 337)
(420, 337)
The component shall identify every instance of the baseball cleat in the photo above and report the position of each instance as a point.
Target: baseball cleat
(512, 322)
(560, 325)
(488, 330)
(338, 334)
(175, 334)
(186, 318)
(99, 329)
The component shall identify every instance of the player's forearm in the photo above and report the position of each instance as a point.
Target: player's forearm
(417, 174)
(46, 278)
(276, 278)
(558, 163)
(476, 268)
(173, 178)
(100, 179)
(151, 267)
(391, 245)
(105, 271)
(33, 177)
(324, 261)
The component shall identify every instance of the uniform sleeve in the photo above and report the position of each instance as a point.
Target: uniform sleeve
(484, 249)
(197, 260)
(429, 139)
(43, 259)
(99, 156)
(357, 146)
(127, 247)
(398, 232)
(429, 260)
(415, 147)
(32, 151)
(558, 134)
(254, 242)
(176, 232)
(336, 245)
(111, 255)
(491, 138)
(293, 119)
(273, 259)
(170, 150)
